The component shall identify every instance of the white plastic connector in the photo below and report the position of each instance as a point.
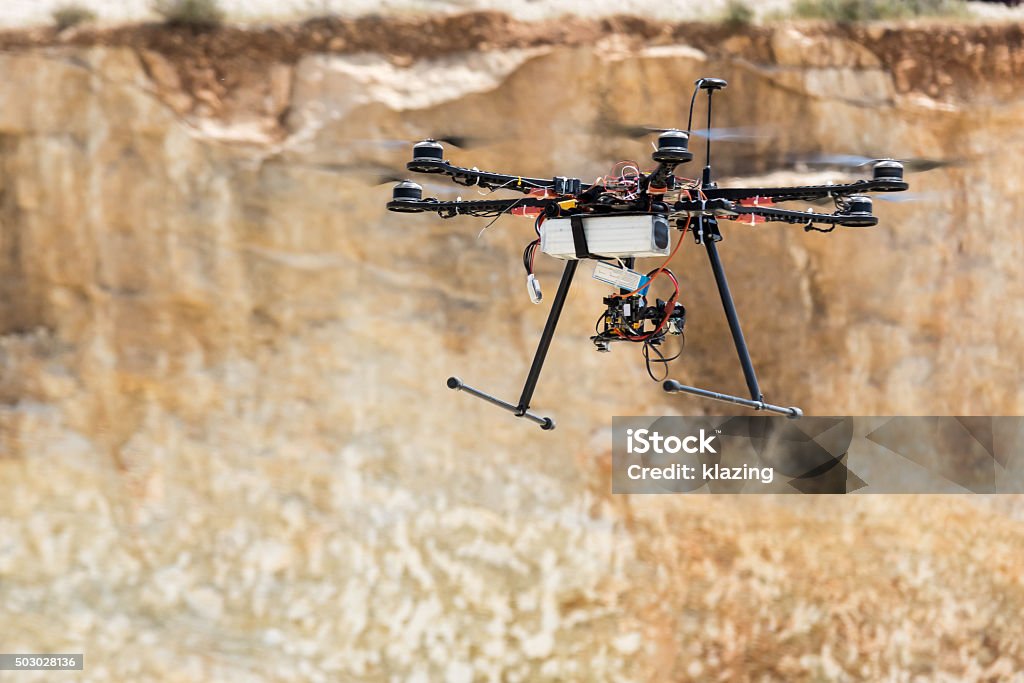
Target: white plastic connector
(533, 287)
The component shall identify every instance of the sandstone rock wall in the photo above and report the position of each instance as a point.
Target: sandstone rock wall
(226, 443)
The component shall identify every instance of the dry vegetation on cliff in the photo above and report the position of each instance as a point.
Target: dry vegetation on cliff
(948, 62)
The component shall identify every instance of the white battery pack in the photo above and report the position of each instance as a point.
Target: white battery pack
(623, 278)
(613, 236)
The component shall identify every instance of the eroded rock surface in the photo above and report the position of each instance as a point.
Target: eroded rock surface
(226, 443)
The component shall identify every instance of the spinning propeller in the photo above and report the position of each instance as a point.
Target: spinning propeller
(635, 132)
(459, 141)
(856, 162)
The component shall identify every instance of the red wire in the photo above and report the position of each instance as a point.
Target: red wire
(670, 307)
(661, 268)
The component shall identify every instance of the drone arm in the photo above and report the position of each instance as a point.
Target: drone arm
(806, 192)
(661, 177)
(447, 209)
(721, 208)
(495, 181)
(852, 220)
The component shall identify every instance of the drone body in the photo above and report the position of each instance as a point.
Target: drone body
(630, 214)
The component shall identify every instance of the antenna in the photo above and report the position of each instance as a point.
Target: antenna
(710, 85)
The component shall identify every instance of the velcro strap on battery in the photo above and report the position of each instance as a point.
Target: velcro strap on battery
(579, 237)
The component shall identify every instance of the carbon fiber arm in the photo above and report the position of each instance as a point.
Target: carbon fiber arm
(805, 192)
(470, 207)
(721, 208)
(474, 177)
(861, 220)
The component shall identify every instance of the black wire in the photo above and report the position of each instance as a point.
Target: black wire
(492, 214)
(682, 347)
(648, 346)
(693, 100)
(528, 253)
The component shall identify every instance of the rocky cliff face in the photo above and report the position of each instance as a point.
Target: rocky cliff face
(226, 440)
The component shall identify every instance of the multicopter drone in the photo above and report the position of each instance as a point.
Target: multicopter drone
(625, 216)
